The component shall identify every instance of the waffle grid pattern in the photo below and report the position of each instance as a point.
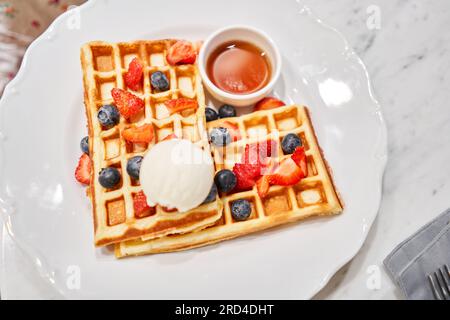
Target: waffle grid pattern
(315, 190)
(314, 195)
(104, 66)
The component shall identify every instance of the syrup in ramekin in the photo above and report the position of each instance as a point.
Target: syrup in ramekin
(239, 67)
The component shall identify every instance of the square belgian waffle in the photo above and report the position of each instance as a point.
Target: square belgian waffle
(104, 66)
(314, 195)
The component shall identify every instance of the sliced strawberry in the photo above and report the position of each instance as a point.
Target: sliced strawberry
(233, 129)
(246, 175)
(170, 137)
(142, 134)
(262, 185)
(177, 105)
(166, 209)
(299, 158)
(182, 52)
(287, 173)
(141, 207)
(133, 78)
(83, 170)
(269, 166)
(268, 103)
(127, 103)
(258, 152)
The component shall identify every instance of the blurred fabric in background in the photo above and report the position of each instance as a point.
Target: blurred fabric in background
(21, 21)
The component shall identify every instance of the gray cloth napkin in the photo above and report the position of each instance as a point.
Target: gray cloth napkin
(421, 254)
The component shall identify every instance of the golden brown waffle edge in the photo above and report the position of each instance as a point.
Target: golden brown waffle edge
(315, 195)
(104, 65)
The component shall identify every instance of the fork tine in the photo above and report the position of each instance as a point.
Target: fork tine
(442, 284)
(445, 279)
(436, 291)
(447, 271)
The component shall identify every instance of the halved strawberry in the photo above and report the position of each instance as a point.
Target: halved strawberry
(83, 170)
(268, 103)
(141, 207)
(246, 175)
(170, 137)
(127, 103)
(258, 152)
(299, 158)
(142, 134)
(233, 129)
(177, 105)
(287, 173)
(133, 78)
(182, 52)
(262, 185)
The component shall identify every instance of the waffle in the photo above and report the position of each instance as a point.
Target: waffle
(315, 195)
(104, 65)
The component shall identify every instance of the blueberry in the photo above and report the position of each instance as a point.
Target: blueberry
(241, 209)
(109, 177)
(290, 142)
(220, 136)
(134, 166)
(84, 145)
(211, 114)
(225, 180)
(227, 111)
(212, 194)
(108, 116)
(159, 81)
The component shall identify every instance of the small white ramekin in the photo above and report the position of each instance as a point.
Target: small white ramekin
(240, 33)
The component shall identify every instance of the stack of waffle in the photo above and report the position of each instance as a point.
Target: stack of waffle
(104, 65)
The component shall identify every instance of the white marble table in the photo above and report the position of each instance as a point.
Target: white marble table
(408, 59)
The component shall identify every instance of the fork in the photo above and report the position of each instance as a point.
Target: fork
(440, 283)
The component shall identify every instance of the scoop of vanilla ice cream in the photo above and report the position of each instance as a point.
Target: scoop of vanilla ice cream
(177, 174)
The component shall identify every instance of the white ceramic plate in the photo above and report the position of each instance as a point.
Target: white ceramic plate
(42, 120)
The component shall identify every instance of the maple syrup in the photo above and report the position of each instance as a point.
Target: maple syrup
(238, 67)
